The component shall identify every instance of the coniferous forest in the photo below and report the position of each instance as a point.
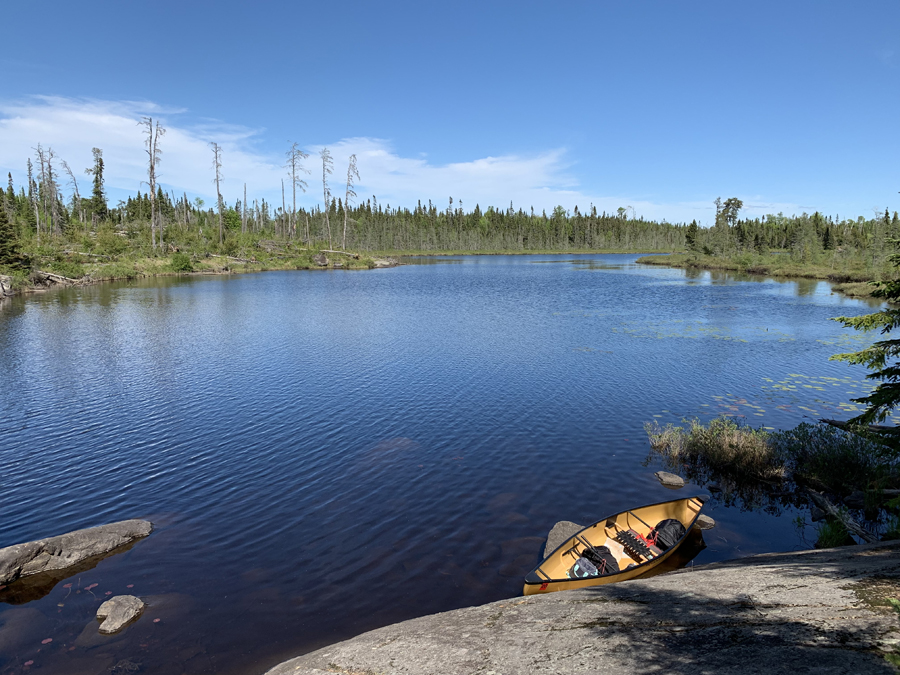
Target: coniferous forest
(47, 224)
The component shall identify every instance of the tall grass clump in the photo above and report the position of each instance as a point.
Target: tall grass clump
(835, 460)
(723, 447)
(831, 534)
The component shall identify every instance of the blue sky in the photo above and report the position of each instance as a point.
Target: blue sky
(661, 106)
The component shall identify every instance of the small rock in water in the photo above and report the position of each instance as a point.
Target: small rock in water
(562, 531)
(669, 480)
(714, 488)
(856, 500)
(816, 514)
(705, 522)
(117, 612)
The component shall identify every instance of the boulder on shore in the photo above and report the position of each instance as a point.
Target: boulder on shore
(669, 480)
(118, 612)
(5, 285)
(66, 550)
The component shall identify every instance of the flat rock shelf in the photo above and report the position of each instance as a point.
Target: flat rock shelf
(771, 613)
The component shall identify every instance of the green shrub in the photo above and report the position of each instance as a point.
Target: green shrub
(67, 268)
(108, 242)
(20, 278)
(117, 270)
(181, 262)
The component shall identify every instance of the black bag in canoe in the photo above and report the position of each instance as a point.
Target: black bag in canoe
(667, 533)
(603, 559)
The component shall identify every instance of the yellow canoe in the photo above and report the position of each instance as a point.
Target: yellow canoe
(551, 575)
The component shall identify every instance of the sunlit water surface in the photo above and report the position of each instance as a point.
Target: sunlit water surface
(323, 453)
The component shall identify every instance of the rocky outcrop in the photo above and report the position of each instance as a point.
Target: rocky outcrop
(118, 612)
(67, 550)
(320, 259)
(5, 286)
(776, 613)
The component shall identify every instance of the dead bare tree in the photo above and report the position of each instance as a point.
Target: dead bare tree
(294, 158)
(153, 131)
(217, 165)
(352, 172)
(77, 196)
(244, 212)
(49, 190)
(283, 210)
(327, 169)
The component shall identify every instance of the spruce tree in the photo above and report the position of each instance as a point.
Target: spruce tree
(9, 246)
(880, 358)
(98, 195)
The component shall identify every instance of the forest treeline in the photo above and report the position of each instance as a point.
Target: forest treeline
(48, 217)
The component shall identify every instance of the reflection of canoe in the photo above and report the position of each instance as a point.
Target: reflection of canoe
(617, 534)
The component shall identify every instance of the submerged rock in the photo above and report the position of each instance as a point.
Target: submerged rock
(669, 480)
(67, 550)
(563, 530)
(118, 612)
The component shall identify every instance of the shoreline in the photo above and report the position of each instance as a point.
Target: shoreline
(52, 281)
(856, 286)
(774, 612)
(852, 285)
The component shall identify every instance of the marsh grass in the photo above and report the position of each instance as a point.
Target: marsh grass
(724, 447)
(814, 455)
(772, 470)
(831, 534)
(836, 460)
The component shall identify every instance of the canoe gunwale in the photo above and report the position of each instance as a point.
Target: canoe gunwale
(632, 572)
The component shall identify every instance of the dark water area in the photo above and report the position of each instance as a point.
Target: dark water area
(323, 453)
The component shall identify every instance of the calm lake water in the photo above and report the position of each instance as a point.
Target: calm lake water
(323, 453)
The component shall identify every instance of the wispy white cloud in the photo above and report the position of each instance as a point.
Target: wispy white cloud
(73, 126)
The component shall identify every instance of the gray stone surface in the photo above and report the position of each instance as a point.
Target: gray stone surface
(5, 286)
(56, 553)
(816, 514)
(320, 259)
(704, 522)
(118, 612)
(669, 480)
(809, 612)
(563, 530)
